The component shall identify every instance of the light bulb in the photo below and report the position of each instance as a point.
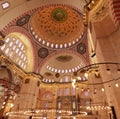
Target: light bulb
(86, 75)
(117, 85)
(103, 89)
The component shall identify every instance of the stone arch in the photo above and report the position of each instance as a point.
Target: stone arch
(20, 47)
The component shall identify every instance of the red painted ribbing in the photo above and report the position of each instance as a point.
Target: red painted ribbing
(115, 7)
(115, 2)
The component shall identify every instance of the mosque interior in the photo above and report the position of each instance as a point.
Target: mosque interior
(59, 59)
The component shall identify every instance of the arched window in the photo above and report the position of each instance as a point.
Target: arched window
(66, 91)
(15, 49)
(59, 92)
(46, 104)
(73, 91)
(20, 49)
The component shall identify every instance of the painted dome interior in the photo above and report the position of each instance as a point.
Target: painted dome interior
(57, 26)
(59, 59)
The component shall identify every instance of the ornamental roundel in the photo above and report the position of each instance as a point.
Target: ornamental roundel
(81, 48)
(22, 21)
(59, 15)
(43, 52)
(57, 26)
(64, 58)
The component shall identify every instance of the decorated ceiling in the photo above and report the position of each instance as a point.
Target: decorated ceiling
(47, 42)
(54, 39)
(57, 26)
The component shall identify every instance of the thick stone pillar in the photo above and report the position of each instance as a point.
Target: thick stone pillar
(27, 98)
(112, 96)
(107, 51)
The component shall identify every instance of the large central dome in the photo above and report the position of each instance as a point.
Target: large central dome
(57, 26)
